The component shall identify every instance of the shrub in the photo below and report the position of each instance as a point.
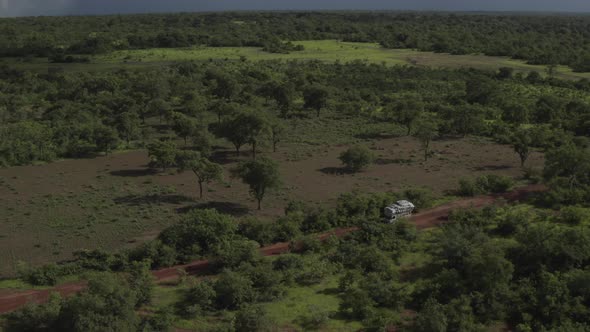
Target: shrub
(260, 231)
(196, 299)
(573, 215)
(318, 221)
(233, 290)
(310, 244)
(288, 228)
(533, 174)
(288, 262)
(198, 233)
(498, 183)
(97, 260)
(161, 321)
(296, 207)
(316, 317)
(485, 184)
(141, 281)
(252, 319)
(155, 251)
(233, 253)
(34, 317)
(314, 272)
(46, 275)
(357, 158)
(356, 304)
(467, 187)
(422, 198)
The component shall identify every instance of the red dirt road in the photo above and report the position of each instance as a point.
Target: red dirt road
(11, 301)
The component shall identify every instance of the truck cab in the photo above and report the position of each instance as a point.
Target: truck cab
(398, 210)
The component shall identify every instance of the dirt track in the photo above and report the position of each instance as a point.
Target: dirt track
(10, 301)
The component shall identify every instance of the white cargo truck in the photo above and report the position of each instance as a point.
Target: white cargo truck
(398, 210)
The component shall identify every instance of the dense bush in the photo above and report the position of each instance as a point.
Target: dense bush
(253, 319)
(485, 184)
(198, 234)
(573, 215)
(107, 304)
(357, 158)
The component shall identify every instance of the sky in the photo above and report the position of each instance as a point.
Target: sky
(10, 8)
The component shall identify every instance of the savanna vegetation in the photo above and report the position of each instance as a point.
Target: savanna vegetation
(521, 266)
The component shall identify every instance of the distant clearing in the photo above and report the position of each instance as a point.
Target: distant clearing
(323, 50)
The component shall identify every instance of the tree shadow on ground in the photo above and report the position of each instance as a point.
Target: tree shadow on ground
(388, 161)
(224, 157)
(369, 135)
(231, 208)
(336, 170)
(492, 167)
(136, 200)
(135, 173)
(329, 291)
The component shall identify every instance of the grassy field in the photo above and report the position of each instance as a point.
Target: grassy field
(324, 50)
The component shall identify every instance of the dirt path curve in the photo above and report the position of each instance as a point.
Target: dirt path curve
(11, 301)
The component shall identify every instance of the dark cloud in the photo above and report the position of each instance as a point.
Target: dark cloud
(67, 7)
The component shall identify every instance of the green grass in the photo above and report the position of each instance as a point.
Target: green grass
(17, 284)
(296, 304)
(286, 312)
(322, 50)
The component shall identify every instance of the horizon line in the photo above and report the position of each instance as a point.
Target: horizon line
(431, 11)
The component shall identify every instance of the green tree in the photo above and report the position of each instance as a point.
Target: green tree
(316, 98)
(426, 131)
(431, 318)
(141, 281)
(254, 125)
(261, 175)
(356, 303)
(406, 111)
(199, 233)
(233, 253)
(468, 119)
(205, 170)
(185, 126)
(105, 138)
(516, 113)
(223, 85)
(357, 158)
(233, 290)
(130, 125)
(521, 143)
(163, 154)
(277, 133)
(253, 318)
(161, 321)
(108, 304)
(505, 73)
(198, 298)
(158, 107)
(569, 164)
(234, 131)
(35, 317)
(223, 109)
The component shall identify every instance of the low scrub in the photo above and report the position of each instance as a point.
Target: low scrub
(485, 184)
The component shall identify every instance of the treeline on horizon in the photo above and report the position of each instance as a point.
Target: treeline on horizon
(538, 39)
